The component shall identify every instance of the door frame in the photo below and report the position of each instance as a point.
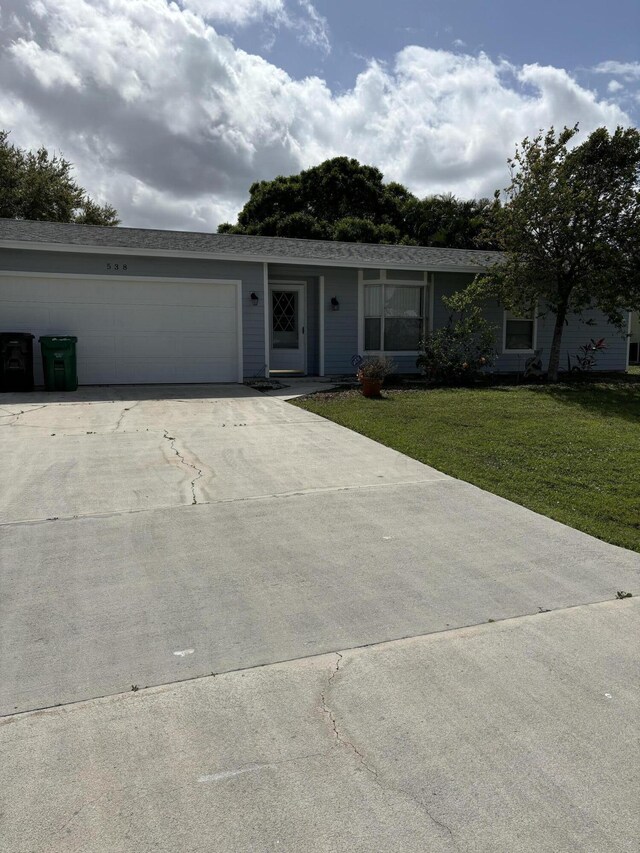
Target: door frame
(282, 284)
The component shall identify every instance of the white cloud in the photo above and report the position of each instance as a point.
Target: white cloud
(301, 16)
(239, 12)
(628, 70)
(48, 67)
(614, 86)
(166, 119)
(313, 26)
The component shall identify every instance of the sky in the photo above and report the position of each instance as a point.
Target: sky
(171, 109)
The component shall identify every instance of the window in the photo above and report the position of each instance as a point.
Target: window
(519, 332)
(394, 317)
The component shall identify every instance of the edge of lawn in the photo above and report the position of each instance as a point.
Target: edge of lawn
(599, 405)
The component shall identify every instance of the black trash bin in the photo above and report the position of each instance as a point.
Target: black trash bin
(16, 361)
(59, 362)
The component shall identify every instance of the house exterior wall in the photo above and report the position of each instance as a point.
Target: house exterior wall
(310, 277)
(576, 333)
(89, 264)
(341, 327)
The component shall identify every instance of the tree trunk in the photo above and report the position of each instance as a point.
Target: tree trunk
(554, 355)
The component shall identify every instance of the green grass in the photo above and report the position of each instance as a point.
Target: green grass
(571, 452)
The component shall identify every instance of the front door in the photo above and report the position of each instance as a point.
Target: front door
(288, 338)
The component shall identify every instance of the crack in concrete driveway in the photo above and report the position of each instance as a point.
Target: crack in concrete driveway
(199, 471)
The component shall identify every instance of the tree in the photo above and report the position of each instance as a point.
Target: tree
(34, 185)
(446, 221)
(570, 229)
(341, 199)
(338, 199)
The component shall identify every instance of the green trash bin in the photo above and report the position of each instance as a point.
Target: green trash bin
(59, 362)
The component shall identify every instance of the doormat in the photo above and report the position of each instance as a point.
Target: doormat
(264, 384)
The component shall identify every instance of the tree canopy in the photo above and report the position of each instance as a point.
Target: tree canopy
(341, 199)
(35, 185)
(570, 228)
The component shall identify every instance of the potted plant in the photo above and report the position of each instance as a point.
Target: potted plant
(372, 373)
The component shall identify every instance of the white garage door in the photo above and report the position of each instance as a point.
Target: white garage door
(128, 330)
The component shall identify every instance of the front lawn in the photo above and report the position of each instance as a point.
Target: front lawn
(571, 452)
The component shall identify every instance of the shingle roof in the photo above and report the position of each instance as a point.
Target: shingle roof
(274, 249)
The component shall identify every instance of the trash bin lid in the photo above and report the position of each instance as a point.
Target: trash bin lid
(16, 335)
(58, 339)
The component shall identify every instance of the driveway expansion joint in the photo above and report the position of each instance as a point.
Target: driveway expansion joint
(6, 718)
(300, 493)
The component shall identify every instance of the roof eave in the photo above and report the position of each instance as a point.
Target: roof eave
(271, 259)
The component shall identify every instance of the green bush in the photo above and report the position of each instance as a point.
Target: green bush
(376, 368)
(459, 352)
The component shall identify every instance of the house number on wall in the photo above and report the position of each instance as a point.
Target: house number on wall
(116, 267)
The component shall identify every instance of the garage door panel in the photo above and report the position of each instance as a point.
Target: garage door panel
(21, 317)
(142, 370)
(161, 318)
(131, 331)
(70, 316)
(98, 371)
(97, 346)
(198, 346)
(149, 345)
(219, 296)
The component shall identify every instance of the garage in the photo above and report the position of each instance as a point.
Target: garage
(132, 330)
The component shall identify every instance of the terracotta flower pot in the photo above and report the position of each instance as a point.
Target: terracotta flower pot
(371, 387)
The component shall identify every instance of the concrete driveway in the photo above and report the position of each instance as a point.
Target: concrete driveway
(154, 535)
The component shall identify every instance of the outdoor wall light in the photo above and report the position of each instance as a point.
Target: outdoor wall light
(335, 305)
(254, 298)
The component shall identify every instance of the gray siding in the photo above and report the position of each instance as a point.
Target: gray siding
(251, 275)
(310, 277)
(576, 332)
(341, 327)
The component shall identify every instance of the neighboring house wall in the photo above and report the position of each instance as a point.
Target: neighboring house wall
(89, 264)
(634, 336)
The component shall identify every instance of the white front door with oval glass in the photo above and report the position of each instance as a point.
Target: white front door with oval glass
(287, 306)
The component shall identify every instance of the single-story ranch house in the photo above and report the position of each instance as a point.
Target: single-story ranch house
(172, 306)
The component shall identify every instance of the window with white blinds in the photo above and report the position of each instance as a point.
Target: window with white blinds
(519, 332)
(394, 317)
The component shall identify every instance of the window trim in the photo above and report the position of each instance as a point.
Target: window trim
(425, 282)
(534, 336)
